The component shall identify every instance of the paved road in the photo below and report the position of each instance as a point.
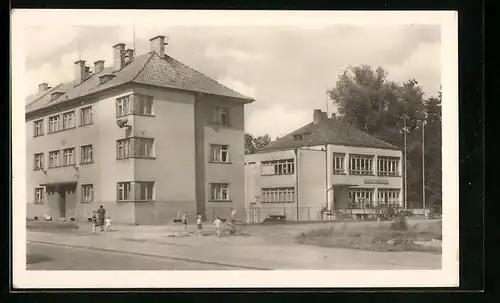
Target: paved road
(52, 257)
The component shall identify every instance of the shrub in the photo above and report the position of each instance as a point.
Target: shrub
(400, 223)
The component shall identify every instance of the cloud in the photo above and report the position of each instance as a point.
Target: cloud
(276, 121)
(238, 86)
(236, 54)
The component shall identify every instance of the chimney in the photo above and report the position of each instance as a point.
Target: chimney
(318, 116)
(42, 87)
(87, 71)
(158, 45)
(98, 66)
(129, 54)
(79, 71)
(334, 117)
(118, 56)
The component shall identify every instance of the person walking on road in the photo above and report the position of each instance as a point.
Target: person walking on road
(218, 226)
(101, 216)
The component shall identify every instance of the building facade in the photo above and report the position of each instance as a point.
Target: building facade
(148, 138)
(323, 166)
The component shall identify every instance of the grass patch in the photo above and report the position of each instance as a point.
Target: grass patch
(375, 236)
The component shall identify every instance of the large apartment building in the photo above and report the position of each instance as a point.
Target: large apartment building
(147, 138)
(325, 165)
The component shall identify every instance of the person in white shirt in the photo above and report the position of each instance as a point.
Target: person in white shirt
(198, 225)
(108, 223)
(218, 226)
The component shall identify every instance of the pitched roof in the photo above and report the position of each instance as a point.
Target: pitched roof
(327, 131)
(148, 69)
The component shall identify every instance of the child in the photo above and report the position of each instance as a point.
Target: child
(108, 223)
(184, 222)
(218, 225)
(198, 225)
(94, 221)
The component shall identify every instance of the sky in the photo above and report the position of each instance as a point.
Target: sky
(286, 69)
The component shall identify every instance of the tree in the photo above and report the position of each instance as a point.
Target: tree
(252, 144)
(368, 101)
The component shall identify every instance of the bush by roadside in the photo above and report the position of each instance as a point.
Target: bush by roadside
(51, 226)
(377, 236)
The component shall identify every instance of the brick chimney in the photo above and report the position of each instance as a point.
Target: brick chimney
(42, 87)
(129, 55)
(334, 117)
(158, 45)
(118, 56)
(98, 66)
(318, 116)
(79, 71)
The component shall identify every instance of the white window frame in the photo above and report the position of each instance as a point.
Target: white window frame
(277, 195)
(338, 162)
(123, 107)
(123, 150)
(363, 197)
(87, 193)
(219, 192)
(145, 191)
(54, 158)
(124, 191)
(86, 115)
(145, 104)
(68, 120)
(86, 154)
(135, 147)
(69, 156)
(393, 197)
(38, 128)
(388, 166)
(278, 167)
(219, 116)
(361, 165)
(54, 124)
(39, 195)
(39, 161)
(219, 152)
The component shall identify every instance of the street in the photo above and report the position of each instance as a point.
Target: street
(53, 257)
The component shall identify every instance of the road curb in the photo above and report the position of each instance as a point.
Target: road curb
(147, 255)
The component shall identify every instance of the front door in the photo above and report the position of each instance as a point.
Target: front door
(62, 201)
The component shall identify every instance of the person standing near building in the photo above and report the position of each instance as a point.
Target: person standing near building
(184, 222)
(94, 221)
(199, 226)
(101, 216)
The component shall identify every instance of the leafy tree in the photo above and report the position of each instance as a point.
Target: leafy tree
(368, 101)
(252, 144)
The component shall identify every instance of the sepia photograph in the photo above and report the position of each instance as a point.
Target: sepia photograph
(261, 149)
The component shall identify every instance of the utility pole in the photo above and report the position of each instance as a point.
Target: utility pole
(423, 165)
(404, 157)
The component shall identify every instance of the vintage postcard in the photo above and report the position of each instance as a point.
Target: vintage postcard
(234, 148)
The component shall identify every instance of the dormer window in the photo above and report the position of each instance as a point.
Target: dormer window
(55, 95)
(105, 78)
(298, 137)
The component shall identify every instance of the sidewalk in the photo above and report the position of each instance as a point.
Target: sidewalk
(251, 252)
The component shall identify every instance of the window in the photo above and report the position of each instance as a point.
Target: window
(39, 195)
(219, 153)
(387, 166)
(361, 197)
(389, 196)
(279, 167)
(87, 193)
(144, 104)
(219, 116)
(69, 156)
(123, 106)
(142, 147)
(123, 191)
(86, 154)
(338, 164)
(219, 191)
(54, 124)
(54, 159)
(86, 116)
(298, 137)
(360, 164)
(69, 120)
(38, 128)
(144, 191)
(277, 195)
(39, 161)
